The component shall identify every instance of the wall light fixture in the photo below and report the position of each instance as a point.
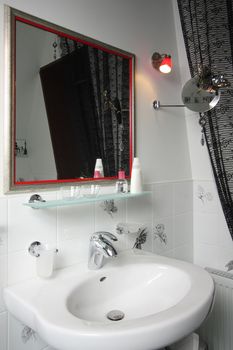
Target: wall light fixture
(162, 62)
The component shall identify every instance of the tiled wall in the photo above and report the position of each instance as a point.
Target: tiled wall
(213, 245)
(166, 211)
(172, 207)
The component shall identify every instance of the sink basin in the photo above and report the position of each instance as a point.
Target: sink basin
(137, 301)
(138, 290)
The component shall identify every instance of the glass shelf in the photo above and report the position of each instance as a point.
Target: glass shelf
(83, 200)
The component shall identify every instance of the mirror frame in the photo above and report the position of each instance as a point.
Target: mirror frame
(10, 16)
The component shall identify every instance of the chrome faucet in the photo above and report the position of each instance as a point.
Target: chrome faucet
(100, 248)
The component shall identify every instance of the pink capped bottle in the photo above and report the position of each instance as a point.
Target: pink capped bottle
(121, 184)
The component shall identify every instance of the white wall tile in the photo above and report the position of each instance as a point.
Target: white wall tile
(72, 251)
(226, 240)
(124, 241)
(183, 252)
(3, 226)
(206, 228)
(3, 279)
(21, 266)
(205, 197)
(75, 221)
(3, 243)
(148, 187)
(3, 331)
(148, 245)
(167, 253)
(206, 255)
(160, 247)
(182, 197)
(15, 337)
(212, 229)
(26, 225)
(224, 256)
(107, 222)
(130, 239)
(183, 229)
(213, 244)
(162, 200)
(139, 209)
(75, 225)
(127, 240)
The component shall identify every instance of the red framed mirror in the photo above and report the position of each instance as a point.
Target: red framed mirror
(70, 102)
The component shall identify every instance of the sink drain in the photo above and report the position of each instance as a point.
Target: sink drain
(115, 315)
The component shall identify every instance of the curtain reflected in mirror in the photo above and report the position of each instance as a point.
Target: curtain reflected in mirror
(73, 105)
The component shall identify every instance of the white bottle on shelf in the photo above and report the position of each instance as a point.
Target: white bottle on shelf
(136, 177)
(99, 168)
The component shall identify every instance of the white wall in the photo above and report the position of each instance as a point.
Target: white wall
(141, 27)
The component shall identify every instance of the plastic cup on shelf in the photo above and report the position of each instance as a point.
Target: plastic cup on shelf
(69, 192)
(89, 191)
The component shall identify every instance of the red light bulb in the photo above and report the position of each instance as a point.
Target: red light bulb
(166, 65)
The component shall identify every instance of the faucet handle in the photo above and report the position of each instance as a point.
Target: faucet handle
(105, 234)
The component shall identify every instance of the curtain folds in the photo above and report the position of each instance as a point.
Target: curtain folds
(110, 81)
(208, 35)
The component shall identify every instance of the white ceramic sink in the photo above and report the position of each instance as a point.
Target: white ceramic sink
(139, 289)
(161, 300)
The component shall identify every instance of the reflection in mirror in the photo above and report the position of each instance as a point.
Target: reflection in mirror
(198, 99)
(73, 105)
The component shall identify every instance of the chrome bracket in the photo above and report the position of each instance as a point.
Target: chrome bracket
(34, 249)
(36, 198)
(157, 105)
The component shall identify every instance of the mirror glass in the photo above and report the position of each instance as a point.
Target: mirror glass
(198, 99)
(71, 104)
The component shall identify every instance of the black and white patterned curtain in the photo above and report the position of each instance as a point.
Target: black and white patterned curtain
(110, 81)
(208, 34)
